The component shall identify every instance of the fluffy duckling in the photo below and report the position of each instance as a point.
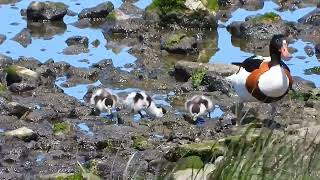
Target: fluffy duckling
(198, 105)
(104, 100)
(137, 101)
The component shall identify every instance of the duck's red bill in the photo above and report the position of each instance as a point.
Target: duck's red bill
(285, 53)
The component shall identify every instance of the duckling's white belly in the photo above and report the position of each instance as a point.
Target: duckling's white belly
(274, 82)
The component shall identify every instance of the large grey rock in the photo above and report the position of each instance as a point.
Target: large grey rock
(53, 11)
(184, 69)
(99, 11)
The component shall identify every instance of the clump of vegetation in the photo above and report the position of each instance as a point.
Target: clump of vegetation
(305, 96)
(198, 76)
(211, 4)
(314, 70)
(166, 6)
(175, 38)
(141, 143)
(193, 162)
(2, 87)
(86, 172)
(111, 16)
(62, 127)
(266, 18)
(270, 157)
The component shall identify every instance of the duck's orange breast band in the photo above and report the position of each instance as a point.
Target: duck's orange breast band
(253, 81)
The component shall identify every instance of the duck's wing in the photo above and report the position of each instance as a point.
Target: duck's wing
(250, 64)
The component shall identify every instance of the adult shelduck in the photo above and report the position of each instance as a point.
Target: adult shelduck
(104, 100)
(198, 105)
(138, 101)
(264, 79)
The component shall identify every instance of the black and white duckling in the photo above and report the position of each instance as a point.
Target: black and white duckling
(104, 100)
(199, 105)
(137, 101)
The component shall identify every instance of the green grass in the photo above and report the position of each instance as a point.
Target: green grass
(266, 18)
(111, 16)
(141, 143)
(305, 96)
(167, 6)
(314, 70)
(212, 5)
(175, 38)
(197, 77)
(272, 156)
(62, 127)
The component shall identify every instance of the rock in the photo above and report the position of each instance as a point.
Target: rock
(103, 64)
(179, 43)
(23, 37)
(46, 29)
(78, 40)
(261, 27)
(17, 73)
(71, 13)
(22, 87)
(95, 43)
(312, 18)
(309, 50)
(184, 69)
(184, 14)
(84, 73)
(124, 26)
(23, 133)
(5, 61)
(52, 11)
(75, 50)
(42, 115)
(317, 49)
(2, 38)
(99, 11)
(17, 109)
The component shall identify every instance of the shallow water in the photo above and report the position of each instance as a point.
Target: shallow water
(42, 49)
(85, 128)
(1, 130)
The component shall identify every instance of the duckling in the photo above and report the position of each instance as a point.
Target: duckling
(104, 100)
(137, 101)
(198, 105)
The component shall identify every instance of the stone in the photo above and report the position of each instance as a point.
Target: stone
(2, 38)
(99, 11)
(179, 43)
(16, 73)
(23, 133)
(23, 37)
(52, 11)
(78, 40)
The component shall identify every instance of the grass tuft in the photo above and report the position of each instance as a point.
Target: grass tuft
(197, 77)
(167, 6)
(266, 18)
(62, 127)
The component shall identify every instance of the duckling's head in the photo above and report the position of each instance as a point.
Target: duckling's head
(109, 102)
(195, 110)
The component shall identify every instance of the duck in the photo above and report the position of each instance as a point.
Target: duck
(104, 100)
(138, 101)
(264, 79)
(198, 105)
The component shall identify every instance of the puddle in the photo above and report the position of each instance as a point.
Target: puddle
(216, 113)
(85, 128)
(40, 158)
(1, 130)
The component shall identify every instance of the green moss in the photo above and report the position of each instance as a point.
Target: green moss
(193, 162)
(2, 87)
(166, 6)
(197, 77)
(141, 143)
(266, 18)
(314, 70)
(175, 38)
(301, 96)
(63, 127)
(109, 5)
(111, 16)
(212, 5)
(75, 176)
